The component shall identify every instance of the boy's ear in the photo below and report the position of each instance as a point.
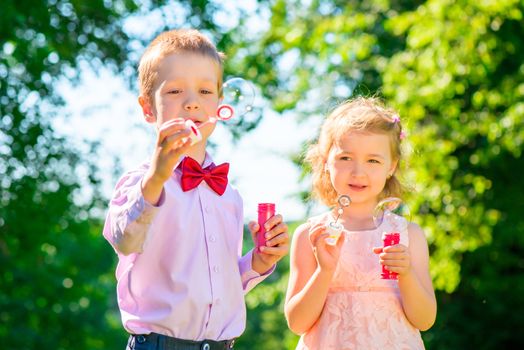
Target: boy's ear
(147, 110)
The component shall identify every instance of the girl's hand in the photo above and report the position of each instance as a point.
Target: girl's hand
(395, 258)
(172, 141)
(327, 255)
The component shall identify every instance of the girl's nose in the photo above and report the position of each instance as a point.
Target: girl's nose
(357, 170)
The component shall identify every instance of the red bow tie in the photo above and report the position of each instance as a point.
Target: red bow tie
(214, 175)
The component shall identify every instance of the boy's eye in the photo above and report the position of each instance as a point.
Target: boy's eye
(374, 161)
(206, 92)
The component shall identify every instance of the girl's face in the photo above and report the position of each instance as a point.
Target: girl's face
(359, 165)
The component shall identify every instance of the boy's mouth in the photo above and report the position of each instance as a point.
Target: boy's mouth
(195, 120)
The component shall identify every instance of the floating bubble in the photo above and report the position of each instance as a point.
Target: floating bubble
(393, 209)
(238, 98)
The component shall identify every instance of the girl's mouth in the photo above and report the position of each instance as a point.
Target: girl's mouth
(357, 188)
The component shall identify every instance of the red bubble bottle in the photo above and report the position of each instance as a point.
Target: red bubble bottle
(389, 239)
(265, 211)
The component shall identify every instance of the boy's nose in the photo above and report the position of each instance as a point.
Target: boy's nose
(191, 105)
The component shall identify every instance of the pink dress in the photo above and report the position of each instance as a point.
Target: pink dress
(362, 311)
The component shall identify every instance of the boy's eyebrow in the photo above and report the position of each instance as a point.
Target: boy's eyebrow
(202, 82)
(205, 80)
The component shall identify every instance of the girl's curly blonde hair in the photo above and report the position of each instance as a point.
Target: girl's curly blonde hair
(359, 114)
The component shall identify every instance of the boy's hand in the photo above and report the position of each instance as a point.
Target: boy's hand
(395, 258)
(326, 255)
(172, 141)
(277, 244)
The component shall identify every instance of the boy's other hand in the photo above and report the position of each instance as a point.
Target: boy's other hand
(277, 243)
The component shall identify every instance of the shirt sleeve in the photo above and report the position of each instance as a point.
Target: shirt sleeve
(130, 215)
(250, 278)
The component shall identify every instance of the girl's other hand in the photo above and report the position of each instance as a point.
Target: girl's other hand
(395, 258)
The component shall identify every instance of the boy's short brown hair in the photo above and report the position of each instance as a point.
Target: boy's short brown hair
(175, 41)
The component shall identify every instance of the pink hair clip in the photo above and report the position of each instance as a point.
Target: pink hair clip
(395, 119)
(402, 135)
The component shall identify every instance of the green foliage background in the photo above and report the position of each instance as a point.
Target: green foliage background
(454, 69)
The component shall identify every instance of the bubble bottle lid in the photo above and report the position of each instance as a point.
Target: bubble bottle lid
(195, 135)
(263, 207)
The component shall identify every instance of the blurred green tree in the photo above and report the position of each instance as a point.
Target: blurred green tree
(455, 70)
(56, 271)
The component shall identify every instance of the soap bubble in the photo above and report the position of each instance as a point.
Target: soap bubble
(391, 208)
(238, 98)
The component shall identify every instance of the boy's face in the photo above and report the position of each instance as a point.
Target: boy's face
(186, 87)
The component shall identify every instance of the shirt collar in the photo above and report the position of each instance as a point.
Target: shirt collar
(207, 161)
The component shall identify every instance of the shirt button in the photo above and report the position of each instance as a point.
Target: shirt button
(207, 210)
(212, 238)
(140, 339)
(215, 268)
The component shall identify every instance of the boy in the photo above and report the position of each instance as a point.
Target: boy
(177, 228)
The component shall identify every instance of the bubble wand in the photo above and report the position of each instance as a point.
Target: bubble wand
(334, 228)
(237, 92)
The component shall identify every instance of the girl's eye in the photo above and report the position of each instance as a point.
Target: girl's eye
(374, 161)
(345, 158)
(175, 91)
(206, 92)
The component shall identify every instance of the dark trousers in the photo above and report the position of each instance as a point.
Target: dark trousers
(154, 341)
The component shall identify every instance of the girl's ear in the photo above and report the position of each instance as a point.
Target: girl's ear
(393, 167)
(147, 110)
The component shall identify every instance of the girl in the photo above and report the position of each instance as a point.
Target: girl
(336, 298)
